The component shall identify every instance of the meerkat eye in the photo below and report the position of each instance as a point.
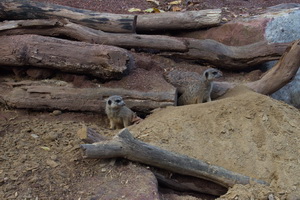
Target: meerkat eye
(215, 73)
(109, 102)
(118, 100)
(206, 74)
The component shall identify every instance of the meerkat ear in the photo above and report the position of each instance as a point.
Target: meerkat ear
(109, 102)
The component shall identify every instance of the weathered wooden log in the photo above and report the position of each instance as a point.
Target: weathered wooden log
(105, 62)
(184, 183)
(68, 29)
(88, 135)
(177, 181)
(41, 95)
(230, 57)
(24, 9)
(178, 20)
(126, 146)
(277, 77)
(209, 51)
(281, 74)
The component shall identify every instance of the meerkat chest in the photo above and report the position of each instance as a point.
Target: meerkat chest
(113, 113)
(208, 86)
(120, 114)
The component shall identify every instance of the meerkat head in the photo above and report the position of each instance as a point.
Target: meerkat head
(211, 74)
(115, 102)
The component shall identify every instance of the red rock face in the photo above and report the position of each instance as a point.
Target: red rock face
(235, 33)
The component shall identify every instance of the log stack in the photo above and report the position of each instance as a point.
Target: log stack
(98, 45)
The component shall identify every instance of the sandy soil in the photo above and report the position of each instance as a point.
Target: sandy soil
(245, 132)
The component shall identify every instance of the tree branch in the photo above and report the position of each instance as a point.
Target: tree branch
(124, 145)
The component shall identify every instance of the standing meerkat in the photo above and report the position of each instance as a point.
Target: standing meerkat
(199, 91)
(118, 114)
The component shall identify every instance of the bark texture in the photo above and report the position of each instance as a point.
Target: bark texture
(41, 95)
(25, 9)
(105, 62)
(206, 51)
(126, 146)
(281, 74)
(179, 20)
(58, 28)
(175, 181)
(231, 57)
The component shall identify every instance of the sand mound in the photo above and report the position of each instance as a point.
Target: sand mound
(245, 132)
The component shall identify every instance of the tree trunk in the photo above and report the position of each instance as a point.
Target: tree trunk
(88, 135)
(179, 20)
(281, 74)
(68, 29)
(207, 51)
(24, 9)
(277, 77)
(184, 183)
(40, 95)
(124, 145)
(176, 181)
(105, 62)
(230, 57)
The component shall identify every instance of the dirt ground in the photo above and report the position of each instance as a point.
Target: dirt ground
(245, 132)
(40, 157)
(232, 8)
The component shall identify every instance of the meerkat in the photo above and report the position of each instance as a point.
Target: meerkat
(199, 91)
(118, 114)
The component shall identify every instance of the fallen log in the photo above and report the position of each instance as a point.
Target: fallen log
(53, 95)
(230, 57)
(274, 79)
(126, 146)
(281, 74)
(209, 51)
(101, 61)
(68, 29)
(184, 183)
(178, 20)
(176, 181)
(24, 9)
(88, 135)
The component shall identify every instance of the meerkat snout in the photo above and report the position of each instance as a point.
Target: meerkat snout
(211, 74)
(115, 101)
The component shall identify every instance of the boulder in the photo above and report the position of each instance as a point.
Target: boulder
(279, 24)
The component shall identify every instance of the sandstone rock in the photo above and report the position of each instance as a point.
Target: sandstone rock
(279, 24)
